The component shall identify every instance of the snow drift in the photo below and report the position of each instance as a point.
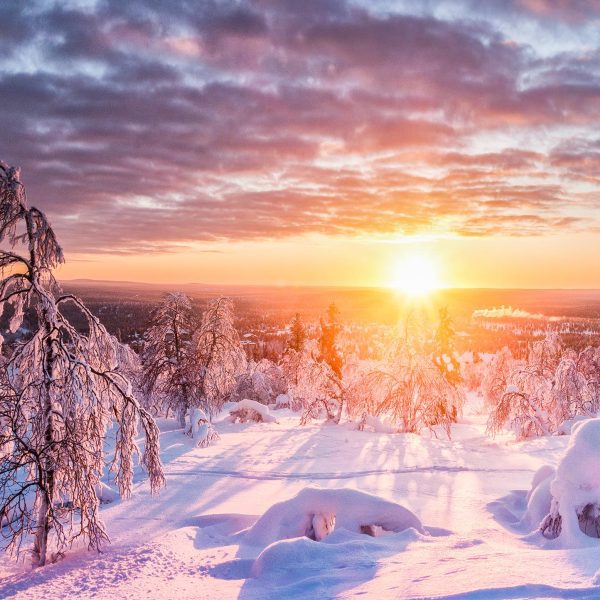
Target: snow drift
(314, 513)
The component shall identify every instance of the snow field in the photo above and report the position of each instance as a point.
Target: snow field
(204, 536)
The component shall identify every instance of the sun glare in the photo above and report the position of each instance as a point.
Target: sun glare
(415, 275)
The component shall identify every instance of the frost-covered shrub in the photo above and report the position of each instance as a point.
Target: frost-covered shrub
(472, 372)
(523, 407)
(284, 401)
(575, 509)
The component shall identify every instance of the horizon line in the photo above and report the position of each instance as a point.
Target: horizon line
(318, 286)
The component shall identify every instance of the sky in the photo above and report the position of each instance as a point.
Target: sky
(310, 143)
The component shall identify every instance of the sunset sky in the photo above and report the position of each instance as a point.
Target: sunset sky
(310, 142)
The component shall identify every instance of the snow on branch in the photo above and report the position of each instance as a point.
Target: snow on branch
(60, 390)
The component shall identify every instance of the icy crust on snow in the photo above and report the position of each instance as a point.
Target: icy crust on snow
(577, 481)
(315, 513)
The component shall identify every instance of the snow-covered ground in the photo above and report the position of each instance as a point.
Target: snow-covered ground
(469, 493)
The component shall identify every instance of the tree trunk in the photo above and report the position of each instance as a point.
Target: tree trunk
(46, 477)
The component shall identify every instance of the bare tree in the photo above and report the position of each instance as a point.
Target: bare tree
(219, 354)
(168, 356)
(59, 392)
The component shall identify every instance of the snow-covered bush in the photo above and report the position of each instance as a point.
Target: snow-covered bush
(284, 401)
(315, 512)
(575, 509)
(200, 428)
(472, 371)
(523, 407)
(251, 411)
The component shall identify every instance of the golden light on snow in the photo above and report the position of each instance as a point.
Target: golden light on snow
(415, 275)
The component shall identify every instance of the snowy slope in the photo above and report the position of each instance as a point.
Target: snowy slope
(469, 493)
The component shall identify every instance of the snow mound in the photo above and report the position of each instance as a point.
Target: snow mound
(315, 512)
(575, 511)
(542, 474)
(539, 498)
(302, 557)
(250, 410)
(570, 425)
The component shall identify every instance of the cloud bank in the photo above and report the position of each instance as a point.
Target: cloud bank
(144, 126)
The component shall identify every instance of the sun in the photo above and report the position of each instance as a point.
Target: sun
(415, 275)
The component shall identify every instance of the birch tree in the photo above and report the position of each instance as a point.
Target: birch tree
(167, 358)
(60, 390)
(219, 354)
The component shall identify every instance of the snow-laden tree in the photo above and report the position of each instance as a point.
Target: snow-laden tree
(262, 382)
(443, 355)
(168, 357)
(495, 377)
(321, 391)
(312, 385)
(60, 390)
(587, 366)
(219, 354)
(526, 405)
(472, 372)
(328, 349)
(297, 334)
(408, 391)
(554, 385)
